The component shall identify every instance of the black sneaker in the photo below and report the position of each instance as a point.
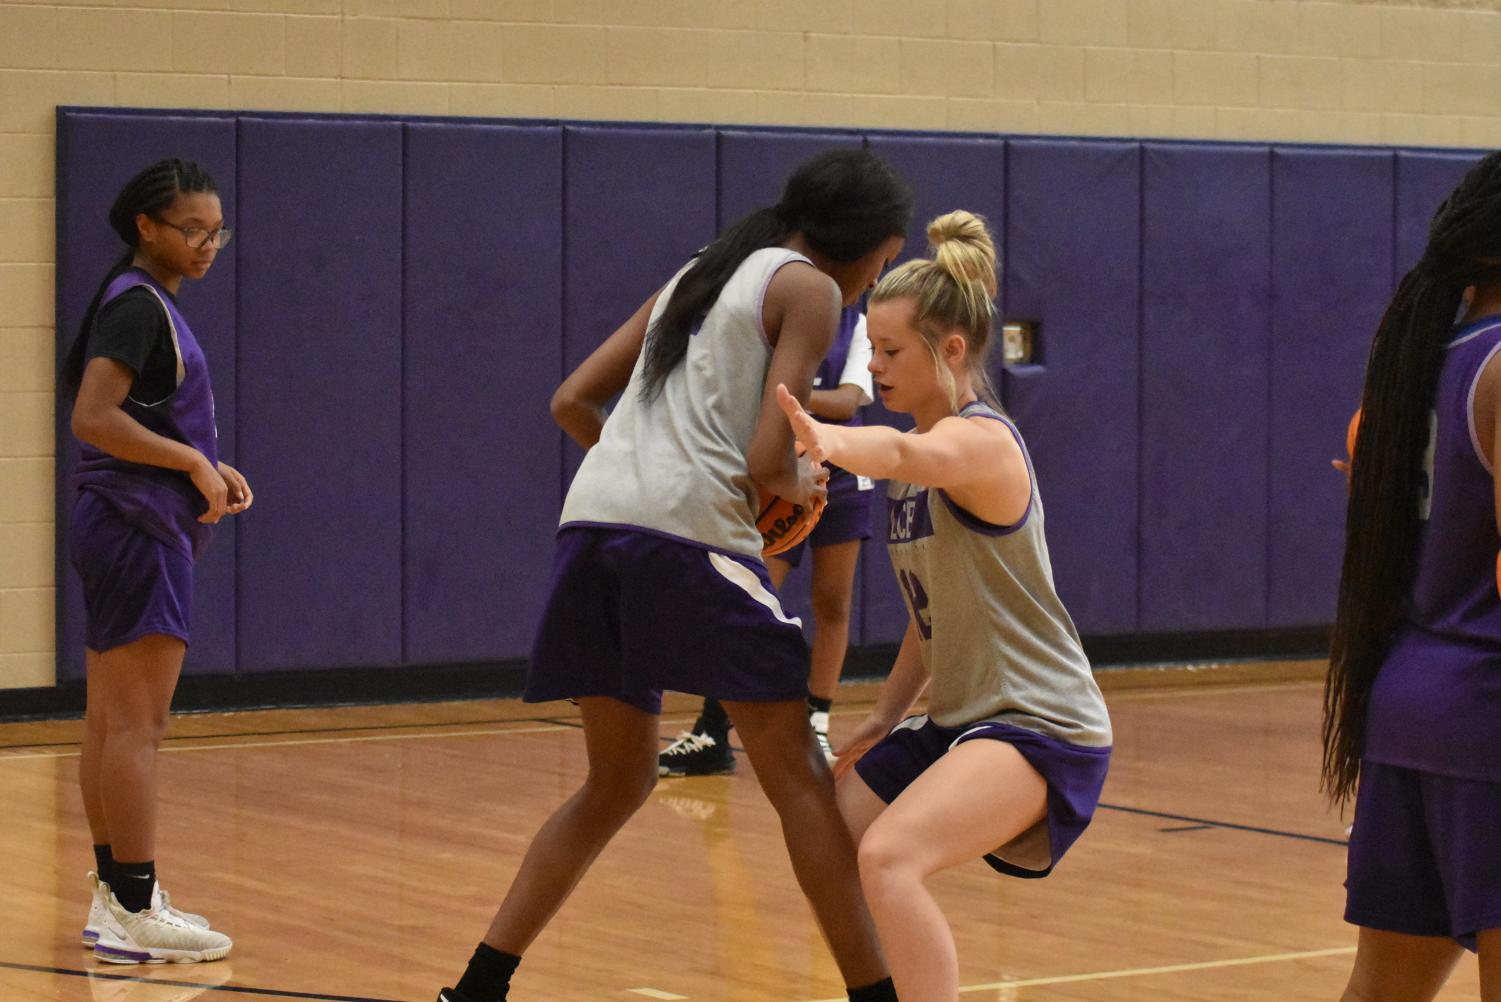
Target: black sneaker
(699, 754)
(452, 995)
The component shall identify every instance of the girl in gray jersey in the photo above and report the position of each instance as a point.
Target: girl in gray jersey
(658, 581)
(1009, 760)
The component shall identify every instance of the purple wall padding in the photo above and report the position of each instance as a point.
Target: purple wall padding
(1071, 252)
(753, 166)
(87, 184)
(1206, 318)
(637, 203)
(321, 388)
(1331, 277)
(945, 174)
(1423, 180)
(751, 169)
(482, 302)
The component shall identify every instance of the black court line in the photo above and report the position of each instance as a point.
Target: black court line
(1188, 828)
(231, 989)
(1210, 822)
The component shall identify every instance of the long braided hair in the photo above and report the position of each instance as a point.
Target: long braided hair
(845, 202)
(148, 193)
(1383, 522)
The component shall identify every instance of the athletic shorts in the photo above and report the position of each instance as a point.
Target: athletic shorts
(631, 613)
(845, 518)
(1075, 774)
(133, 584)
(1425, 855)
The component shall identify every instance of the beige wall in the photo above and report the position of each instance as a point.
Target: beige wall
(1353, 71)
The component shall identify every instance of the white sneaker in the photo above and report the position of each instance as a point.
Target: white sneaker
(97, 910)
(157, 935)
(820, 721)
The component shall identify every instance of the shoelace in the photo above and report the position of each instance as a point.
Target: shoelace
(688, 743)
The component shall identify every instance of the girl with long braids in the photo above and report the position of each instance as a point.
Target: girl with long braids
(1412, 706)
(148, 488)
(658, 581)
(1009, 760)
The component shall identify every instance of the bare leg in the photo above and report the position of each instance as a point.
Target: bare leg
(622, 748)
(800, 787)
(975, 798)
(1489, 943)
(132, 686)
(1395, 967)
(95, 728)
(833, 589)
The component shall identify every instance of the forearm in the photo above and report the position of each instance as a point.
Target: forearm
(111, 430)
(874, 451)
(839, 404)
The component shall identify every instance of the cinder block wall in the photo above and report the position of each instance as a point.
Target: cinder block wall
(1354, 71)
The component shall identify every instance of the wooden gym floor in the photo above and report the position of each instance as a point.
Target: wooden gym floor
(358, 853)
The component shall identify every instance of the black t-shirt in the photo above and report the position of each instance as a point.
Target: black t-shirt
(132, 329)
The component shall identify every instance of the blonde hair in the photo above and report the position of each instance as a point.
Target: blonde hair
(954, 290)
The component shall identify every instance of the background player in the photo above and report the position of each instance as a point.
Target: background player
(1010, 758)
(149, 487)
(659, 559)
(1414, 690)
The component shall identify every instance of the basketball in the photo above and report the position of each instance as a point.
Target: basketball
(1351, 433)
(783, 524)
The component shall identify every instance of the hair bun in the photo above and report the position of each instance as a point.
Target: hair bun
(963, 247)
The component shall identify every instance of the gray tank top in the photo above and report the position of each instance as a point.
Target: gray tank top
(675, 464)
(997, 642)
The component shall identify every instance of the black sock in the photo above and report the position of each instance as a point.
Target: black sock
(881, 991)
(488, 977)
(135, 883)
(104, 864)
(713, 721)
(819, 705)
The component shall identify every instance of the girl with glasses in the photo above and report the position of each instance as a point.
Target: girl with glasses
(148, 489)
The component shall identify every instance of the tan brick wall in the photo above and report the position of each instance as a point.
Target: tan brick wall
(1375, 71)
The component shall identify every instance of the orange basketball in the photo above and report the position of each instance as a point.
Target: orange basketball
(783, 524)
(1350, 434)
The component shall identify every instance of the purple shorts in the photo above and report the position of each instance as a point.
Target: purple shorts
(1075, 775)
(846, 517)
(1425, 855)
(133, 584)
(631, 613)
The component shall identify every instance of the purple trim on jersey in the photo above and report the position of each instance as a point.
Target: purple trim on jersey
(761, 296)
(974, 523)
(830, 373)
(1470, 410)
(627, 527)
(159, 501)
(908, 518)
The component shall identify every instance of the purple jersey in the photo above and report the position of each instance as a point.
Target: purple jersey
(831, 371)
(1436, 703)
(160, 502)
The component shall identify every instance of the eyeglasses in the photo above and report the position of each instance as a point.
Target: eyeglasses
(196, 237)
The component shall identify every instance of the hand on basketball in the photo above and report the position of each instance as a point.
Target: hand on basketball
(866, 736)
(240, 496)
(215, 491)
(813, 436)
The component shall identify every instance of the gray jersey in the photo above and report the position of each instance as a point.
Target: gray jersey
(997, 642)
(675, 464)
